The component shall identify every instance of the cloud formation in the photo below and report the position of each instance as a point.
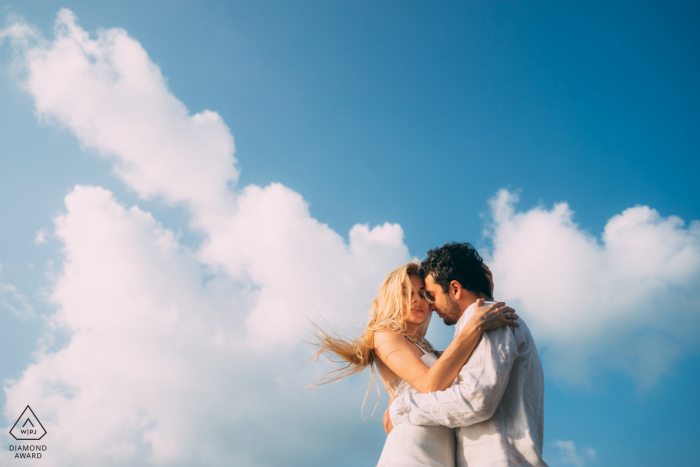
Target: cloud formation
(630, 300)
(565, 453)
(15, 301)
(41, 237)
(110, 94)
(178, 356)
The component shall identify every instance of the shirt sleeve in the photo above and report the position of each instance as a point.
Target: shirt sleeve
(476, 394)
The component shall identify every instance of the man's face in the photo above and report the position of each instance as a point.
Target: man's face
(445, 307)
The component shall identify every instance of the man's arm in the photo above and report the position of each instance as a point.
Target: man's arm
(482, 382)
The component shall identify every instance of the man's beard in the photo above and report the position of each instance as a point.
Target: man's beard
(450, 315)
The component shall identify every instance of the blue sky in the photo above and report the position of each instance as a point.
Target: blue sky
(411, 113)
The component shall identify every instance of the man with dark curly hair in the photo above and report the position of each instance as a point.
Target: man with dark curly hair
(497, 401)
(459, 262)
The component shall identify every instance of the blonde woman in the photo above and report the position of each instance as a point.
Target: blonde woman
(394, 343)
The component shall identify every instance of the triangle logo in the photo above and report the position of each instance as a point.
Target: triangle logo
(28, 427)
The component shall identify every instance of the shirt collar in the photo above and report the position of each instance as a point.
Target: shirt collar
(464, 318)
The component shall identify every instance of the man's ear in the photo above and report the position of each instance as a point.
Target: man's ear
(456, 290)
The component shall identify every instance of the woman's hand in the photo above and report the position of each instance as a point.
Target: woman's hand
(493, 316)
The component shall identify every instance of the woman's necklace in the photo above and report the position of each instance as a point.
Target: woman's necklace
(423, 345)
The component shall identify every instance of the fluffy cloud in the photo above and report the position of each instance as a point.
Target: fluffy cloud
(565, 453)
(177, 356)
(630, 300)
(41, 237)
(159, 368)
(297, 263)
(115, 100)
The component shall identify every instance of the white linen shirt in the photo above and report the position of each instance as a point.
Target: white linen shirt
(496, 403)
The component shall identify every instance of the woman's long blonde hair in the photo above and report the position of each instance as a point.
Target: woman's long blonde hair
(388, 311)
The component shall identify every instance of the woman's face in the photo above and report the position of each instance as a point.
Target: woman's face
(419, 306)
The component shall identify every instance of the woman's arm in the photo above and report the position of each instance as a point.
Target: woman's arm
(399, 355)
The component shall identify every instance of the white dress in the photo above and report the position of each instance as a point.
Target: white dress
(418, 446)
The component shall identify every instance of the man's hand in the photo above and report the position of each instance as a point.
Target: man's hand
(388, 426)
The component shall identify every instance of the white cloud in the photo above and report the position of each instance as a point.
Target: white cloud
(174, 356)
(159, 368)
(15, 301)
(591, 453)
(630, 300)
(20, 34)
(41, 237)
(297, 263)
(565, 453)
(115, 100)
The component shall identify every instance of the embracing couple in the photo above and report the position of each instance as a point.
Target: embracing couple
(478, 403)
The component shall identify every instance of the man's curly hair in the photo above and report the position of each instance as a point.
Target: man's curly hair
(457, 262)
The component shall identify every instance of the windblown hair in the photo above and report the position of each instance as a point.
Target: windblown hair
(388, 311)
(457, 262)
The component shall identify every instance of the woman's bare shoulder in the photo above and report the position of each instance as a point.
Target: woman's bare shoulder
(387, 340)
(387, 335)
